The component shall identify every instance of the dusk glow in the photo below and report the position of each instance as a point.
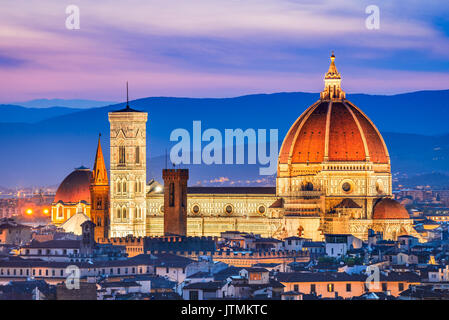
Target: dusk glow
(256, 154)
(217, 48)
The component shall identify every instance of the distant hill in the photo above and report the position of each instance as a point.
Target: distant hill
(414, 126)
(70, 103)
(18, 114)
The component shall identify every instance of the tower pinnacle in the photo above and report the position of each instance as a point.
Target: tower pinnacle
(332, 82)
(127, 96)
(100, 174)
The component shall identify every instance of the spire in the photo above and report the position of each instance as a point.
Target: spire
(332, 82)
(100, 174)
(332, 73)
(127, 96)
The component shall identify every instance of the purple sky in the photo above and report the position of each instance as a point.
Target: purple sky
(210, 48)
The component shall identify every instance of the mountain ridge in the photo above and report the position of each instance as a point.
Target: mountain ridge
(44, 152)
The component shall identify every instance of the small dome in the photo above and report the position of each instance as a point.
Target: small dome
(73, 225)
(390, 209)
(75, 187)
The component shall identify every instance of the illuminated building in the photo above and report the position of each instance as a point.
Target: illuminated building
(72, 196)
(84, 195)
(128, 172)
(334, 177)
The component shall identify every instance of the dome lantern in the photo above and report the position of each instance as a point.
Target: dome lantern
(332, 83)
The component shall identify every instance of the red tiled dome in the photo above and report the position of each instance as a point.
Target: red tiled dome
(389, 209)
(75, 187)
(351, 136)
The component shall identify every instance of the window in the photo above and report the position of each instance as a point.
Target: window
(384, 286)
(196, 209)
(124, 213)
(401, 286)
(183, 197)
(99, 206)
(193, 295)
(313, 288)
(137, 155)
(121, 152)
(346, 187)
(171, 195)
(295, 287)
(119, 187)
(330, 287)
(348, 287)
(118, 213)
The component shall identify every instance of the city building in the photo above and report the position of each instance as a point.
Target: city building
(334, 177)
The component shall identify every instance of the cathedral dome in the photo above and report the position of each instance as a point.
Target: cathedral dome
(333, 129)
(75, 187)
(389, 209)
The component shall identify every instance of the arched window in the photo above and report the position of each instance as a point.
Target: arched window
(118, 213)
(124, 213)
(119, 187)
(124, 186)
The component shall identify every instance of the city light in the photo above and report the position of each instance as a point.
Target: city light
(46, 211)
(29, 212)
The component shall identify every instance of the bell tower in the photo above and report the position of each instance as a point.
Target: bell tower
(175, 201)
(99, 194)
(128, 172)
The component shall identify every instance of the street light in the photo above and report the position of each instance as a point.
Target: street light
(29, 212)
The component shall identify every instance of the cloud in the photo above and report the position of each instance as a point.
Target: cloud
(214, 47)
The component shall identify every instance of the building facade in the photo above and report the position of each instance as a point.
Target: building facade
(334, 177)
(128, 172)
